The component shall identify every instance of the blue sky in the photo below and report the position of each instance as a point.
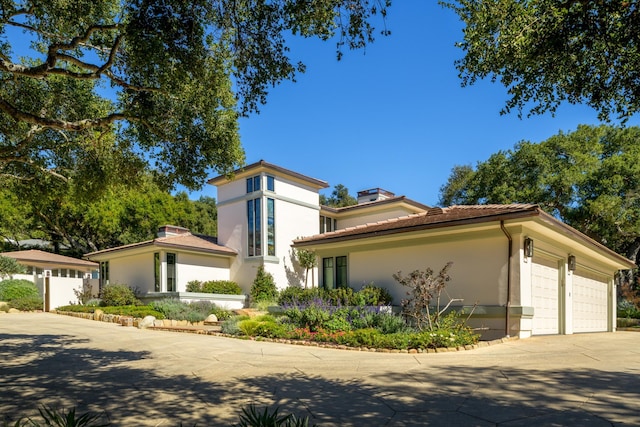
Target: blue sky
(393, 116)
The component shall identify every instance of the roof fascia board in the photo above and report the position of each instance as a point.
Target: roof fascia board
(263, 166)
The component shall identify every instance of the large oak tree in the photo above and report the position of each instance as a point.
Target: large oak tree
(157, 83)
(546, 52)
(589, 178)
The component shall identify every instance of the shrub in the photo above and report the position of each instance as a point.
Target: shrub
(12, 289)
(9, 267)
(373, 295)
(138, 311)
(252, 417)
(194, 286)
(28, 303)
(226, 287)
(117, 295)
(264, 287)
(294, 295)
(177, 310)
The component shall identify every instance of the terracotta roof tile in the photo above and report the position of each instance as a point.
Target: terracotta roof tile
(433, 217)
(195, 242)
(37, 256)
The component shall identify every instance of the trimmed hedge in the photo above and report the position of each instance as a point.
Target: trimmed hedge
(225, 287)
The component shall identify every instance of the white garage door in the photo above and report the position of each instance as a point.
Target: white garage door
(590, 302)
(545, 296)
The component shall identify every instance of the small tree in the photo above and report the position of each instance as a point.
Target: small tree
(264, 287)
(9, 267)
(307, 260)
(424, 288)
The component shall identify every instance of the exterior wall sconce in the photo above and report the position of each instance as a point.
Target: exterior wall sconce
(528, 247)
(572, 263)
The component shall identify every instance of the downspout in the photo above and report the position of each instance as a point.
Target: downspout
(508, 307)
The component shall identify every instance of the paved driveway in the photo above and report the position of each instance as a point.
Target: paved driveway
(142, 377)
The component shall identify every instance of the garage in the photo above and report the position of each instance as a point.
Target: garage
(545, 296)
(590, 302)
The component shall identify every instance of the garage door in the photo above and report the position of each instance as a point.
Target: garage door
(545, 296)
(590, 302)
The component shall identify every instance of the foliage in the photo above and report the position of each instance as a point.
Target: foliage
(137, 311)
(369, 295)
(175, 72)
(307, 260)
(27, 303)
(60, 418)
(179, 310)
(12, 289)
(263, 287)
(84, 293)
(252, 417)
(117, 295)
(9, 267)
(339, 198)
(425, 287)
(123, 213)
(547, 52)
(226, 287)
(627, 309)
(587, 178)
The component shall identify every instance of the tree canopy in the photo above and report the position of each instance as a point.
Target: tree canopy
(339, 198)
(546, 52)
(589, 178)
(118, 85)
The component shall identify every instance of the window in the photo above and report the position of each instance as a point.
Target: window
(334, 272)
(171, 272)
(253, 184)
(29, 269)
(270, 183)
(38, 270)
(327, 273)
(271, 228)
(104, 273)
(55, 272)
(156, 271)
(63, 272)
(254, 218)
(327, 224)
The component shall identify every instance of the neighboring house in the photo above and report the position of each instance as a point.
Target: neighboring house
(527, 272)
(56, 276)
(162, 267)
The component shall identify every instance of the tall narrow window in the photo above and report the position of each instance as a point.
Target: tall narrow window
(254, 230)
(104, 273)
(271, 228)
(171, 272)
(270, 183)
(156, 271)
(327, 273)
(341, 272)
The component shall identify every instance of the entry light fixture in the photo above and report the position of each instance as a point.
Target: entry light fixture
(528, 247)
(572, 263)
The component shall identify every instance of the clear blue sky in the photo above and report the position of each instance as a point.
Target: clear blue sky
(394, 116)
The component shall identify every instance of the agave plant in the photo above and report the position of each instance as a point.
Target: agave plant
(252, 417)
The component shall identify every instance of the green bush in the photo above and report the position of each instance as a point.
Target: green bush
(225, 287)
(29, 303)
(138, 311)
(627, 309)
(264, 287)
(10, 266)
(114, 295)
(12, 289)
(373, 295)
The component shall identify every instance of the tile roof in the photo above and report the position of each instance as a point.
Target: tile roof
(187, 241)
(376, 203)
(37, 256)
(432, 218)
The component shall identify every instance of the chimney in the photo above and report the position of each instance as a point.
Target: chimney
(374, 195)
(172, 230)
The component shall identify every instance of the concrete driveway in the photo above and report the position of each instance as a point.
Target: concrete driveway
(153, 378)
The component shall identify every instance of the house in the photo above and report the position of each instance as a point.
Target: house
(56, 276)
(525, 272)
(162, 267)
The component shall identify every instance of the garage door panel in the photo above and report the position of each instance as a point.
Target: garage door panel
(590, 302)
(545, 297)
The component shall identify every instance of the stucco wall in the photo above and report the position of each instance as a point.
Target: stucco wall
(478, 274)
(135, 271)
(200, 267)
